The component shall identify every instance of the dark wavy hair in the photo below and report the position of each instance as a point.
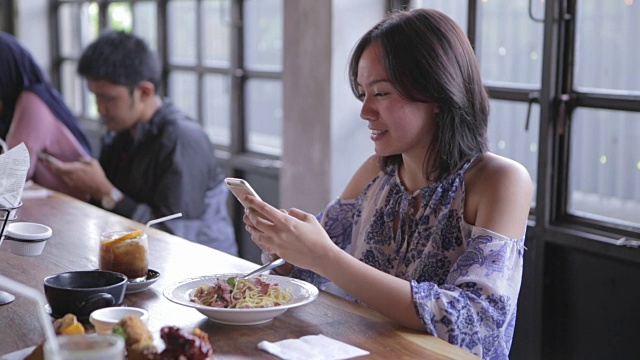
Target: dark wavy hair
(429, 59)
(120, 58)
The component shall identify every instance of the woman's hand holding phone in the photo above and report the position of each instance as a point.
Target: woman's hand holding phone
(239, 188)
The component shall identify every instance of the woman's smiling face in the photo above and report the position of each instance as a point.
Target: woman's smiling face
(398, 126)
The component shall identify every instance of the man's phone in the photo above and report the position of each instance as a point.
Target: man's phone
(48, 158)
(239, 188)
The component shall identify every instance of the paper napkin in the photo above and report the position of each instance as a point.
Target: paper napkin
(311, 347)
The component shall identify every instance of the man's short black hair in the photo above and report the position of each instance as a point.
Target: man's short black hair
(120, 58)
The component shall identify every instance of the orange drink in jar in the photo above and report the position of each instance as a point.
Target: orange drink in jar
(125, 252)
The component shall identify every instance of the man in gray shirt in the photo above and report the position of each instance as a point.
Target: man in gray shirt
(155, 161)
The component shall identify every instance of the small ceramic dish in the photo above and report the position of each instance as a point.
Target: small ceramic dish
(106, 318)
(138, 286)
(27, 239)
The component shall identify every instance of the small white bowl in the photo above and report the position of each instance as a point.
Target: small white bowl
(106, 318)
(27, 239)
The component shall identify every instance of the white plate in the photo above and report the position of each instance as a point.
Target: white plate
(137, 286)
(302, 292)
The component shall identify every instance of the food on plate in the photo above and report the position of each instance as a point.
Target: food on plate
(239, 293)
(126, 253)
(178, 343)
(68, 325)
(138, 339)
(182, 345)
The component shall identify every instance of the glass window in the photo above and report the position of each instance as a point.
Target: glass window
(457, 10)
(509, 44)
(217, 108)
(216, 46)
(120, 17)
(508, 137)
(72, 89)
(183, 91)
(604, 168)
(145, 22)
(181, 32)
(78, 26)
(263, 38)
(263, 112)
(605, 38)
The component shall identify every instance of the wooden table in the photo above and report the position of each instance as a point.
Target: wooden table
(74, 246)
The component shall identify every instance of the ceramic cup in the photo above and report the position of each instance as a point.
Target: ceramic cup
(105, 319)
(26, 238)
(82, 292)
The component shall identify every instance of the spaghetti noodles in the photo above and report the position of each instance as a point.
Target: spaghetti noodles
(238, 293)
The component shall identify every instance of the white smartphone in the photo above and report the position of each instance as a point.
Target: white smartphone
(239, 188)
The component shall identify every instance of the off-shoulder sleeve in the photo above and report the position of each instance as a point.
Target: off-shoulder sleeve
(337, 220)
(476, 307)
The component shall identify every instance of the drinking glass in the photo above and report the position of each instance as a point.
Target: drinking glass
(129, 257)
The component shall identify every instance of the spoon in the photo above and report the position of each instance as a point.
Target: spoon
(266, 267)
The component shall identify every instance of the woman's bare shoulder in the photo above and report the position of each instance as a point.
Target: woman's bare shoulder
(490, 169)
(498, 194)
(361, 178)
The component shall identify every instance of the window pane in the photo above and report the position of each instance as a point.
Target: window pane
(119, 16)
(145, 22)
(217, 31)
(183, 91)
(508, 137)
(509, 45)
(181, 32)
(605, 38)
(605, 165)
(78, 27)
(72, 91)
(217, 109)
(263, 34)
(263, 111)
(457, 10)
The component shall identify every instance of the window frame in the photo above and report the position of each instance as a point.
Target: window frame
(6, 21)
(556, 98)
(235, 157)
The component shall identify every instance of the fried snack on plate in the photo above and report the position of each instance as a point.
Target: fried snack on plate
(138, 339)
(68, 325)
(184, 346)
(179, 344)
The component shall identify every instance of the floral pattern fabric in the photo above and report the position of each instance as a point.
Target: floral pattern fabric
(465, 279)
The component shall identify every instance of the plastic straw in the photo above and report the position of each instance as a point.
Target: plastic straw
(45, 320)
(151, 222)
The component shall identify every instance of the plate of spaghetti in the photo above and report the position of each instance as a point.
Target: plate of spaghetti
(226, 299)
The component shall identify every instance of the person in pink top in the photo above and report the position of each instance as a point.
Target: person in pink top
(32, 111)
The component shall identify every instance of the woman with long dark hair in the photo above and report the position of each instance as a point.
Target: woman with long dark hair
(430, 230)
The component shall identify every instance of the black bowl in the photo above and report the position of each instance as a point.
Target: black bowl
(82, 292)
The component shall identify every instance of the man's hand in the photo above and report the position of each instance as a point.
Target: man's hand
(84, 175)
